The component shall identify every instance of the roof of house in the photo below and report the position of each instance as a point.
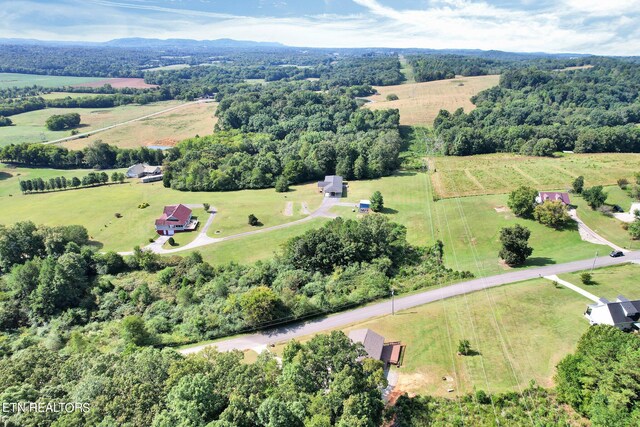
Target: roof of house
(139, 168)
(554, 195)
(373, 342)
(174, 214)
(331, 184)
(620, 311)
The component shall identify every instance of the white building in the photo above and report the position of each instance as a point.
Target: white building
(621, 313)
(142, 169)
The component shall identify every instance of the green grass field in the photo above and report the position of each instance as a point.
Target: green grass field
(30, 127)
(95, 208)
(21, 80)
(261, 246)
(501, 173)
(521, 331)
(468, 226)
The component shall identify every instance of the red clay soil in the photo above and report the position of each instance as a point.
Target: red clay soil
(119, 83)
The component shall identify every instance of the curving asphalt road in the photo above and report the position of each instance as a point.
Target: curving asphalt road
(287, 332)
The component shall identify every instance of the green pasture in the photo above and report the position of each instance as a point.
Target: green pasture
(8, 80)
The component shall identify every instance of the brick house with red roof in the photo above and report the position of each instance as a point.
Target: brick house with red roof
(174, 219)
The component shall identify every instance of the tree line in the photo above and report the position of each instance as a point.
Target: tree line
(97, 154)
(62, 183)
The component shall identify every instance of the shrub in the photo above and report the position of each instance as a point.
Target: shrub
(392, 97)
(586, 278)
(253, 220)
(117, 215)
(282, 184)
(143, 205)
(206, 206)
(464, 347)
(171, 241)
(623, 182)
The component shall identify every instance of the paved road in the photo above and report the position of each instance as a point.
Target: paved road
(343, 319)
(92, 132)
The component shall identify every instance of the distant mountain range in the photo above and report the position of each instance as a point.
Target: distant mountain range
(190, 44)
(140, 42)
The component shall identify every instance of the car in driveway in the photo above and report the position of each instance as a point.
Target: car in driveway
(617, 209)
(616, 254)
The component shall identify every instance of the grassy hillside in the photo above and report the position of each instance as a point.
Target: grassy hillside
(164, 130)
(21, 80)
(501, 173)
(30, 127)
(521, 331)
(419, 103)
(95, 208)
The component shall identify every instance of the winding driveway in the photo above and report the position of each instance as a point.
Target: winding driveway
(343, 319)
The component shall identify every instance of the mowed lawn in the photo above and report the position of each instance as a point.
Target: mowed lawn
(501, 173)
(162, 130)
(30, 127)
(259, 247)
(8, 80)
(608, 227)
(419, 103)
(521, 331)
(95, 208)
(468, 226)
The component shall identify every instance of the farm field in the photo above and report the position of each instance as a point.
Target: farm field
(501, 173)
(515, 346)
(162, 130)
(608, 227)
(468, 226)
(29, 127)
(60, 95)
(95, 208)
(117, 82)
(20, 80)
(419, 103)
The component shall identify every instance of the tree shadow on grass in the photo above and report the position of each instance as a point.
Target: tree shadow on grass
(388, 211)
(95, 244)
(5, 175)
(538, 262)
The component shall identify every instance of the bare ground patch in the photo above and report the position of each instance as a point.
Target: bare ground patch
(288, 209)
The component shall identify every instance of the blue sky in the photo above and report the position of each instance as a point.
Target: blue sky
(584, 26)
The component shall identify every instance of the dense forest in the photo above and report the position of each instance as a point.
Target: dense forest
(272, 131)
(587, 110)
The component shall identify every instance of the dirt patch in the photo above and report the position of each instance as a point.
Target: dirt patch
(501, 209)
(424, 379)
(165, 142)
(504, 265)
(119, 83)
(305, 209)
(288, 209)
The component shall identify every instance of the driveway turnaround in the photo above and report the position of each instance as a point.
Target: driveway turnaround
(341, 320)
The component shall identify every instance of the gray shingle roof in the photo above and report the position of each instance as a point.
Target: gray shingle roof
(373, 342)
(331, 184)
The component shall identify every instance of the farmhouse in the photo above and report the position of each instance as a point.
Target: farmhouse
(175, 218)
(545, 196)
(376, 348)
(142, 169)
(622, 313)
(331, 186)
(364, 206)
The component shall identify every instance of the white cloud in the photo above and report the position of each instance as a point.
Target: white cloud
(566, 26)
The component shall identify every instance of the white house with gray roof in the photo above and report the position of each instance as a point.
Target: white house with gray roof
(331, 186)
(621, 313)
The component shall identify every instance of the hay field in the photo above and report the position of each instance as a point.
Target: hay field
(22, 80)
(30, 127)
(420, 103)
(163, 130)
(501, 173)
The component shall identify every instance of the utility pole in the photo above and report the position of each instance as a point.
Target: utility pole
(393, 308)
(594, 262)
